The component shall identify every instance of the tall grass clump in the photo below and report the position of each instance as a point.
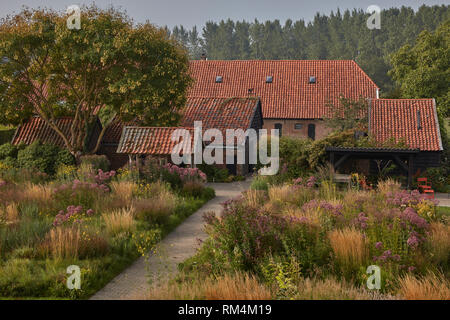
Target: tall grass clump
(37, 193)
(239, 286)
(439, 243)
(123, 190)
(349, 248)
(73, 243)
(10, 212)
(388, 185)
(429, 287)
(156, 209)
(120, 220)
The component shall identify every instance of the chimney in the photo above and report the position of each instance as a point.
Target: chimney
(204, 57)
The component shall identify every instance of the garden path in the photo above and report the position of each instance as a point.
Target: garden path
(444, 199)
(180, 244)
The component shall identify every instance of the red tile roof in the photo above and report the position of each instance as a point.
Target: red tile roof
(220, 113)
(36, 129)
(398, 118)
(290, 95)
(150, 140)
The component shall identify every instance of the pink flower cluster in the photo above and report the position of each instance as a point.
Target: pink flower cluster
(387, 256)
(410, 215)
(361, 221)
(335, 210)
(78, 185)
(101, 177)
(405, 198)
(310, 182)
(2, 183)
(71, 211)
(186, 174)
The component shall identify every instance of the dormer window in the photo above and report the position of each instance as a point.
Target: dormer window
(269, 79)
(219, 79)
(312, 79)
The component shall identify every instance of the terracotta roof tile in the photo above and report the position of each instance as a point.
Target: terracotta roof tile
(149, 140)
(36, 129)
(290, 95)
(220, 113)
(399, 118)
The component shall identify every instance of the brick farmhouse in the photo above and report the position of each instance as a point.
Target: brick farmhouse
(294, 96)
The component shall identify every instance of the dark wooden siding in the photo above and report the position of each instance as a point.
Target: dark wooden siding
(257, 120)
(117, 160)
(422, 161)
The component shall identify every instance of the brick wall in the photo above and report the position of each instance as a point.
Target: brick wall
(289, 129)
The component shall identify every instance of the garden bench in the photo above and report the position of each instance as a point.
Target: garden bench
(344, 178)
(425, 187)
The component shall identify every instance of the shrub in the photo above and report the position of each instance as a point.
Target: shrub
(214, 173)
(245, 235)
(42, 157)
(8, 150)
(119, 221)
(66, 172)
(208, 193)
(96, 161)
(260, 183)
(64, 157)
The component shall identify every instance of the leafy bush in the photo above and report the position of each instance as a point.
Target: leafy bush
(8, 150)
(260, 183)
(44, 158)
(214, 173)
(39, 156)
(64, 157)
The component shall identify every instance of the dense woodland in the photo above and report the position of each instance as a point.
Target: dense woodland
(341, 35)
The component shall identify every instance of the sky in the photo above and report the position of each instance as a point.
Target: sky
(197, 12)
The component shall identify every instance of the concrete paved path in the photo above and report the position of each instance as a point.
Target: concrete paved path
(176, 247)
(443, 198)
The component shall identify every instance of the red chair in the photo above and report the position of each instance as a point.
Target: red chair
(425, 187)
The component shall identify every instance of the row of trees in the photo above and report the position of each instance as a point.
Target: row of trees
(337, 36)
